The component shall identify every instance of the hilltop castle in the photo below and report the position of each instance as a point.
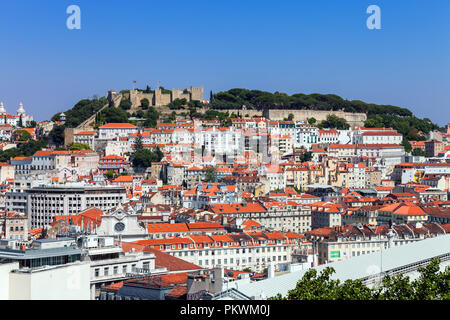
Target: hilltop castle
(14, 120)
(158, 97)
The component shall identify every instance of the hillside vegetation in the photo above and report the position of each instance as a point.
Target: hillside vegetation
(81, 111)
(395, 117)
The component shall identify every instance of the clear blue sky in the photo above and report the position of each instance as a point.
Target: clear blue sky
(314, 46)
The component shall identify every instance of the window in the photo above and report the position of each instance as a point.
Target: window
(106, 271)
(97, 272)
(116, 270)
(124, 269)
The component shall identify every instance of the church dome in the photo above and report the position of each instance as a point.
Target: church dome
(21, 110)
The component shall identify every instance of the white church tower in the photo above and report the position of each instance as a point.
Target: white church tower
(21, 110)
(2, 109)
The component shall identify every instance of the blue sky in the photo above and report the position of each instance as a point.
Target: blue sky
(314, 46)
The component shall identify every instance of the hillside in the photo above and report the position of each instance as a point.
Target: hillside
(401, 119)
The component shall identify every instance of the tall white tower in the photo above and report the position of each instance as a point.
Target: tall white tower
(2, 108)
(21, 110)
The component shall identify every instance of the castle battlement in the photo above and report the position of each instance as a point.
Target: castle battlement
(157, 98)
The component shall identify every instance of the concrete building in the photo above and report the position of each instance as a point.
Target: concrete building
(116, 130)
(45, 202)
(344, 242)
(61, 282)
(369, 268)
(110, 264)
(235, 251)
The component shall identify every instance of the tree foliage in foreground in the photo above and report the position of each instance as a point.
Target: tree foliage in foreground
(432, 284)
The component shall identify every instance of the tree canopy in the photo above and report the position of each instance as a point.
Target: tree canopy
(419, 152)
(81, 111)
(383, 116)
(79, 146)
(211, 174)
(151, 118)
(111, 115)
(432, 284)
(143, 158)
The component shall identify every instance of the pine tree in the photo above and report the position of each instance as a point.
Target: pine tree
(138, 145)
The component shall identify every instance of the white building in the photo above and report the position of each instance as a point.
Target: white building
(45, 202)
(15, 120)
(376, 136)
(115, 130)
(61, 282)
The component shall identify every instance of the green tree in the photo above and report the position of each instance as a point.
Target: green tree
(432, 284)
(290, 117)
(211, 174)
(32, 124)
(312, 121)
(306, 156)
(143, 158)
(111, 175)
(173, 116)
(112, 115)
(406, 144)
(57, 135)
(125, 104)
(145, 103)
(79, 146)
(418, 152)
(81, 111)
(22, 135)
(138, 145)
(151, 118)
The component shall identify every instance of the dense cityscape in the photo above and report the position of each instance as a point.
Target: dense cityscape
(161, 195)
(224, 159)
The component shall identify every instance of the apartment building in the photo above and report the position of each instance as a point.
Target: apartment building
(236, 251)
(116, 130)
(45, 202)
(343, 242)
(85, 137)
(364, 135)
(325, 214)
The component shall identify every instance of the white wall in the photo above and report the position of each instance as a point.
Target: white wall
(5, 270)
(68, 282)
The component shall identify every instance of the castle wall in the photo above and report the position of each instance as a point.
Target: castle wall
(353, 119)
(136, 97)
(196, 93)
(243, 113)
(161, 98)
(156, 99)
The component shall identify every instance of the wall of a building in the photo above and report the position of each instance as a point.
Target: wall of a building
(69, 282)
(5, 270)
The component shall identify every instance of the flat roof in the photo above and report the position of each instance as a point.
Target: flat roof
(38, 253)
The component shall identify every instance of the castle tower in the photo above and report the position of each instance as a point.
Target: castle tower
(21, 110)
(2, 109)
